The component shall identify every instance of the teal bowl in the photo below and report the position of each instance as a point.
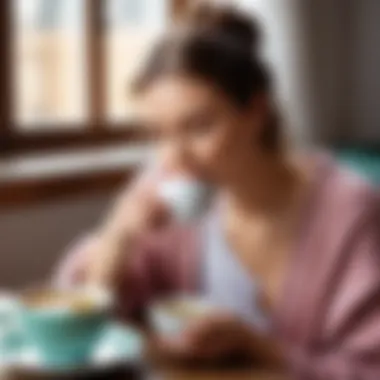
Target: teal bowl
(63, 337)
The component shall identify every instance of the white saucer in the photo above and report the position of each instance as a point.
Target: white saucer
(120, 346)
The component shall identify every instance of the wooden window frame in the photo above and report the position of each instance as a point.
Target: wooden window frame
(14, 143)
(97, 131)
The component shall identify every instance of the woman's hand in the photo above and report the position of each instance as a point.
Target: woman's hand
(134, 214)
(217, 337)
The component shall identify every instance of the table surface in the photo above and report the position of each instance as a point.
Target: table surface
(171, 374)
(219, 375)
(183, 375)
(167, 372)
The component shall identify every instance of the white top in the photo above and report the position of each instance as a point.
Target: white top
(226, 282)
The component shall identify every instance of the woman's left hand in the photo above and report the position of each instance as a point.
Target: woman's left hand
(221, 335)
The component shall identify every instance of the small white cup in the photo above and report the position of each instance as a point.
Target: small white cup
(168, 321)
(187, 199)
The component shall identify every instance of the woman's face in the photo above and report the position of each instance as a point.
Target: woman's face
(197, 129)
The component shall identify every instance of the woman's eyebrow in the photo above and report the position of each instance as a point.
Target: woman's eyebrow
(147, 124)
(198, 112)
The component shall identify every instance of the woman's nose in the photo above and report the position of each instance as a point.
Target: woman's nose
(176, 161)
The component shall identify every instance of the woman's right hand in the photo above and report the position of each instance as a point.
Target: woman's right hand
(135, 213)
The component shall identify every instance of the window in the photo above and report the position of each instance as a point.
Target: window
(131, 26)
(67, 68)
(50, 64)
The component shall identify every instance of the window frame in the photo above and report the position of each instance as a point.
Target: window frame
(97, 131)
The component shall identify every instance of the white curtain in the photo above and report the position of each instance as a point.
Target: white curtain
(142, 13)
(284, 52)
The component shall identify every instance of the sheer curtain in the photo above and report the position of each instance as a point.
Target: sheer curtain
(142, 13)
(133, 25)
(50, 63)
(286, 53)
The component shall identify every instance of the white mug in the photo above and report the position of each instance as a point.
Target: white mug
(188, 199)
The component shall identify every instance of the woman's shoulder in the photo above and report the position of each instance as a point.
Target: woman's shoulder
(345, 191)
(343, 204)
(340, 260)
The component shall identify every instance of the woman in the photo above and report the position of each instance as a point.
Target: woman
(295, 237)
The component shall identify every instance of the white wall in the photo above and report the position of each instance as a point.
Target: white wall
(364, 106)
(304, 45)
(32, 239)
(285, 50)
(326, 56)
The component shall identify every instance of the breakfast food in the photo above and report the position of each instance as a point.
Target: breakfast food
(185, 309)
(52, 299)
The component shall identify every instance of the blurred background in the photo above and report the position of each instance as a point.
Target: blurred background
(68, 138)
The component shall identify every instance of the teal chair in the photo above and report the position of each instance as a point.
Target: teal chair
(366, 162)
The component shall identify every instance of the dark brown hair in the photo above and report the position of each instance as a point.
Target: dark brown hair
(219, 45)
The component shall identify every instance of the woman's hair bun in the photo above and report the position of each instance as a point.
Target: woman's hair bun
(225, 20)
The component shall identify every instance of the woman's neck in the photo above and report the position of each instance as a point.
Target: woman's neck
(267, 184)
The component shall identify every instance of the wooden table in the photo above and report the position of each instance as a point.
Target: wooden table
(167, 372)
(171, 374)
(219, 375)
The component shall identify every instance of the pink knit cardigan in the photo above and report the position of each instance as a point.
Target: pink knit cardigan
(328, 317)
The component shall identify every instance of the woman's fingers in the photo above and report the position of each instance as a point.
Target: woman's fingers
(217, 334)
(182, 347)
(210, 338)
(211, 326)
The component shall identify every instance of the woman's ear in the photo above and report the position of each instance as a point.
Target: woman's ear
(259, 106)
(258, 111)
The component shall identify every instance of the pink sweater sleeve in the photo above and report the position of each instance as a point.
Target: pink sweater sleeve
(141, 276)
(71, 269)
(352, 322)
(136, 287)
